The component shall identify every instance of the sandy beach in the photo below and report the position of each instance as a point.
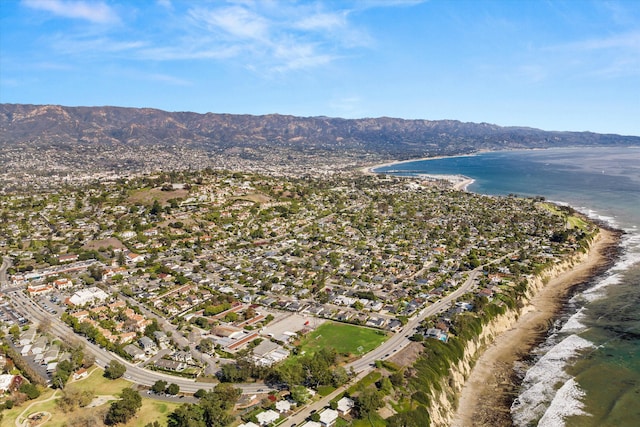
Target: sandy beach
(487, 393)
(459, 182)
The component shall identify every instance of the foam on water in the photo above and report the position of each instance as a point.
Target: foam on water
(541, 381)
(567, 402)
(574, 323)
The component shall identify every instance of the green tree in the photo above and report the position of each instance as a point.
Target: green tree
(31, 390)
(114, 370)
(124, 409)
(14, 330)
(206, 345)
(159, 386)
(188, 415)
(173, 389)
(368, 401)
(300, 394)
(62, 374)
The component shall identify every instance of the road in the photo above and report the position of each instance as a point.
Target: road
(134, 373)
(178, 338)
(6, 263)
(138, 375)
(397, 342)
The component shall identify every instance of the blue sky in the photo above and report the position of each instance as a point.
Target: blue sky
(554, 65)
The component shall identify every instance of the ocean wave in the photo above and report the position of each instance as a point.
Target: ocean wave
(599, 290)
(629, 258)
(540, 385)
(574, 323)
(567, 402)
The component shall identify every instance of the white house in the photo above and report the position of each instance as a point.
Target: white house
(328, 417)
(267, 417)
(345, 405)
(283, 406)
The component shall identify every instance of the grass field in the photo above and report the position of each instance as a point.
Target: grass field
(151, 410)
(344, 338)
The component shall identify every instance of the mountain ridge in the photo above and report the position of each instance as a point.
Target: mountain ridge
(47, 140)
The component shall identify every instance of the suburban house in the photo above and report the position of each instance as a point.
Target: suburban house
(328, 417)
(134, 352)
(345, 405)
(267, 417)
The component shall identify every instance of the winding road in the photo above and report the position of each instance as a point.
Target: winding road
(361, 367)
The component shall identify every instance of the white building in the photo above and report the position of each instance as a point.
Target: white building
(328, 417)
(5, 382)
(84, 296)
(345, 405)
(267, 417)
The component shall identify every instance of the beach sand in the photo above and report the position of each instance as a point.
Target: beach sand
(458, 182)
(488, 392)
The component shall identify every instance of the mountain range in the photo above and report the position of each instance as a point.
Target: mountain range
(66, 139)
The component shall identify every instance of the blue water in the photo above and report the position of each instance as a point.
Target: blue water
(587, 372)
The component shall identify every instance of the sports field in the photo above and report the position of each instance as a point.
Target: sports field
(344, 338)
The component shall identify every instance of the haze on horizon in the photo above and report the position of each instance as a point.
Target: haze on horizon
(554, 65)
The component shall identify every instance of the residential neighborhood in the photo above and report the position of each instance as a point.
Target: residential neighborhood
(197, 274)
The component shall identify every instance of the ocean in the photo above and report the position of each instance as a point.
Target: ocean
(586, 373)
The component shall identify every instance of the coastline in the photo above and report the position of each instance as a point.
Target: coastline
(458, 182)
(490, 387)
(487, 393)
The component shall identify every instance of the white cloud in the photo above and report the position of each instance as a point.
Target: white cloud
(90, 46)
(611, 56)
(165, 3)
(630, 40)
(323, 21)
(265, 36)
(96, 12)
(170, 79)
(347, 106)
(234, 21)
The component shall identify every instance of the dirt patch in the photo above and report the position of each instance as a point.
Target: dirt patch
(37, 419)
(408, 355)
(101, 400)
(96, 245)
(256, 198)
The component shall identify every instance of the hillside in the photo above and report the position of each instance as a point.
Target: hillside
(50, 140)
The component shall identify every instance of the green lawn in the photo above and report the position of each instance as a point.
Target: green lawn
(151, 410)
(343, 338)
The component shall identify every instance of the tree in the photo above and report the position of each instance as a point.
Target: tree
(188, 415)
(368, 401)
(114, 370)
(62, 374)
(123, 410)
(30, 390)
(15, 332)
(173, 389)
(300, 394)
(159, 386)
(206, 345)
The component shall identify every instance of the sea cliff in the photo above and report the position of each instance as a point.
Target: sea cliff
(480, 386)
